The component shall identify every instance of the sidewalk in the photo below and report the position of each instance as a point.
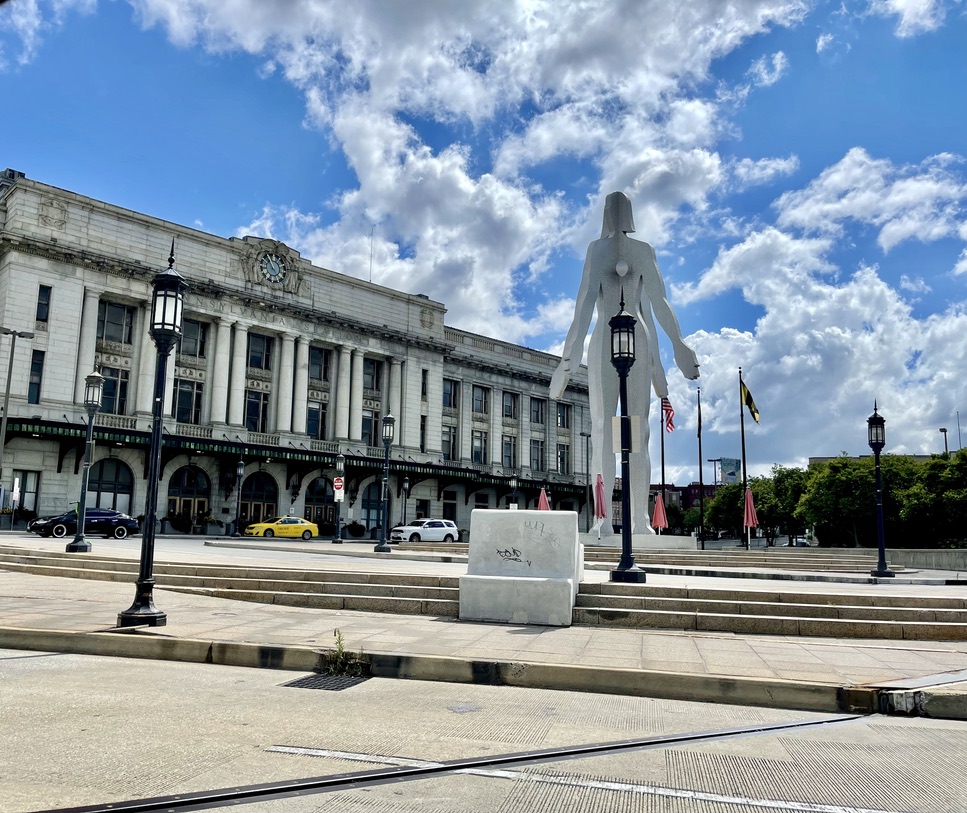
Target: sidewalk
(821, 674)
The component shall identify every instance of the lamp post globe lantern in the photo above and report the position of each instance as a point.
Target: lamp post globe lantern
(876, 436)
(167, 309)
(513, 483)
(623, 358)
(388, 432)
(93, 391)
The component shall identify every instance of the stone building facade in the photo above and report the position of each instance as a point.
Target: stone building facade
(282, 365)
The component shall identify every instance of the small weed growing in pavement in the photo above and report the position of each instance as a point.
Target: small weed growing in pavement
(340, 661)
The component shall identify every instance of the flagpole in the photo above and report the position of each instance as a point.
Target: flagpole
(701, 483)
(748, 536)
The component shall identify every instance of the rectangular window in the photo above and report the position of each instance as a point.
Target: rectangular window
(538, 410)
(316, 420)
(186, 405)
(538, 461)
(114, 395)
(43, 303)
(563, 416)
(194, 337)
(372, 374)
(450, 505)
(319, 361)
(481, 400)
(372, 435)
(508, 453)
(36, 376)
(451, 391)
(481, 500)
(479, 446)
(449, 443)
(256, 411)
(115, 323)
(423, 433)
(259, 351)
(29, 485)
(563, 458)
(511, 401)
(424, 384)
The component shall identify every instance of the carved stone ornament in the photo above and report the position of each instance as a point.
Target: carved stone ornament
(272, 264)
(426, 318)
(53, 213)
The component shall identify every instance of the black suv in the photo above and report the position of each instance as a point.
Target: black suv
(96, 521)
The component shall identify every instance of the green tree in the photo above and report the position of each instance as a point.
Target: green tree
(724, 511)
(789, 485)
(766, 508)
(839, 503)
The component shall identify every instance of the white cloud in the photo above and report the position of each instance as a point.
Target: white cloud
(915, 16)
(767, 72)
(921, 201)
(824, 42)
(754, 173)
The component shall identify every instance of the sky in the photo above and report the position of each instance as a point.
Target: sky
(798, 166)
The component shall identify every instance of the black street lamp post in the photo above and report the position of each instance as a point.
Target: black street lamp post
(513, 490)
(340, 495)
(623, 358)
(167, 306)
(389, 428)
(406, 496)
(946, 448)
(239, 476)
(93, 387)
(876, 429)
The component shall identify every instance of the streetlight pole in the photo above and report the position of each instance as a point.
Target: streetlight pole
(93, 387)
(513, 490)
(876, 429)
(406, 496)
(946, 449)
(389, 428)
(167, 308)
(14, 335)
(587, 478)
(339, 495)
(715, 470)
(623, 358)
(239, 476)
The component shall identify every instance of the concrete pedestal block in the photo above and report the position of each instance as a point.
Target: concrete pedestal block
(523, 567)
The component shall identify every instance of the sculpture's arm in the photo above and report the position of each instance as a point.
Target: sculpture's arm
(653, 288)
(573, 350)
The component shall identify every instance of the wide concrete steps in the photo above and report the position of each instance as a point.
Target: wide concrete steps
(801, 559)
(330, 590)
(770, 613)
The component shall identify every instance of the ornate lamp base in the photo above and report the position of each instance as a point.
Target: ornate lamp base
(633, 575)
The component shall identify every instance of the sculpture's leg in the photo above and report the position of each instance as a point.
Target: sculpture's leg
(639, 397)
(603, 399)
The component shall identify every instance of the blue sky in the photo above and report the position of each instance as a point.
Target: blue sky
(798, 166)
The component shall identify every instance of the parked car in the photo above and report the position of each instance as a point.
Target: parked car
(798, 543)
(96, 521)
(426, 530)
(283, 526)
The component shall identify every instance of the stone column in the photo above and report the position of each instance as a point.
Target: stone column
(300, 395)
(283, 402)
(87, 343)
(356, 397)
(221, 363)
(236, 403)
(395, 399)
(342, 394)
(147, 360)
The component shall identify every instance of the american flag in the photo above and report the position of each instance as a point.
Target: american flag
(668, 414)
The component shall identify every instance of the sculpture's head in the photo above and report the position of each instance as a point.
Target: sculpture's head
(617, 215)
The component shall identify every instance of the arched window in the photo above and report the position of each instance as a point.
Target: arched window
(110, 485)
(260, 498)
(189, 497)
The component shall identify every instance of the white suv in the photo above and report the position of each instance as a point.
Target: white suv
(426, 530)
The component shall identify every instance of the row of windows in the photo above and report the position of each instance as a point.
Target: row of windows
(480, 446)
(510, 404)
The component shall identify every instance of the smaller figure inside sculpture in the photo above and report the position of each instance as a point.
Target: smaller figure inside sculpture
(618, 268)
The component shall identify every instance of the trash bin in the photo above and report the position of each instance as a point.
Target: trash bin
(374, 532)
(464, 535)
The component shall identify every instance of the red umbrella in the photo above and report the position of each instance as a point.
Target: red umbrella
(751, 520)
(600, 503)
(542, 503)
(659, 520)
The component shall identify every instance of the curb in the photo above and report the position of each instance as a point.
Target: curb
(769, 693)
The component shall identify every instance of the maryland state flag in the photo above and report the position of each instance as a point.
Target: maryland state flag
(748, 401)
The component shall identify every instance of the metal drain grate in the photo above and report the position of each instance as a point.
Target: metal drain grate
(329, 683)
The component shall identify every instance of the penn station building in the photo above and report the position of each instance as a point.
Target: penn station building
(277, 389)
